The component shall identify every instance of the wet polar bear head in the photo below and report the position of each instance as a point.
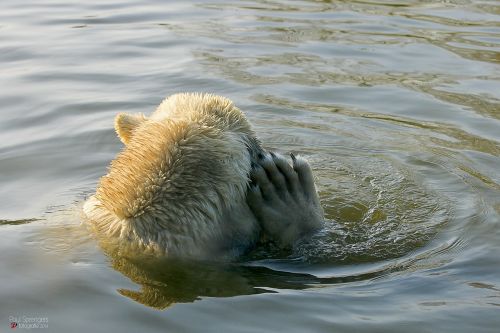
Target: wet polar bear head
(178, 188)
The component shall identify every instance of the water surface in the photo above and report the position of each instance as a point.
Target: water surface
(395, 103)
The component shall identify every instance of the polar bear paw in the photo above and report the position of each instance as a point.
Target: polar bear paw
(283, 198)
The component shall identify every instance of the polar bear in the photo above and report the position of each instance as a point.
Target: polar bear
(179, 188)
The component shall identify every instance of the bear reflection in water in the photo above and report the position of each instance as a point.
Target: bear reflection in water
(194, 182)
(165, 281)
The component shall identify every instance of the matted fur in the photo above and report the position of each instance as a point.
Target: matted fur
(178, 187)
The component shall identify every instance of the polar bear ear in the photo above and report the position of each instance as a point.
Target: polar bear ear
(125, 124)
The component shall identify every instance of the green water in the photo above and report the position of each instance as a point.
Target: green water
(396, 104)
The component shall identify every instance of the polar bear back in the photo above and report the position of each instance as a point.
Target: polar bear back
(179, 185)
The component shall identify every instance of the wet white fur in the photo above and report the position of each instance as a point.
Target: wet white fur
(178, 188)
